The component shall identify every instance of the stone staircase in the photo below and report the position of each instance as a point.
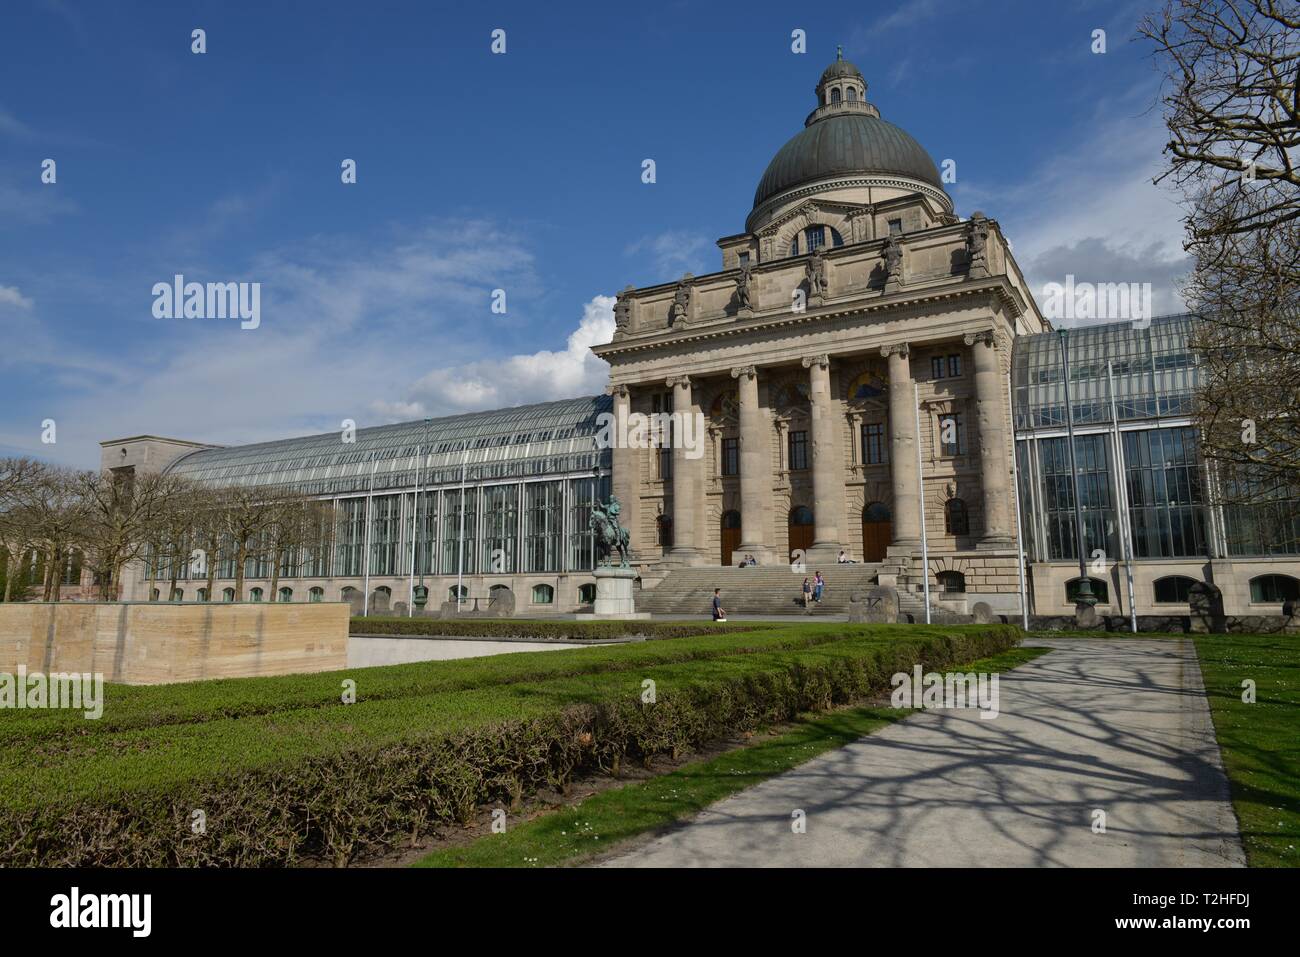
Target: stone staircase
(763, 590)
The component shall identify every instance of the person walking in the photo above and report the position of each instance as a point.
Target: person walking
(820, 583)
(807, 593)
(719, 613)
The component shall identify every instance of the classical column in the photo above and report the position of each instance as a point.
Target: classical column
(902, 446)
(625, 461)
(755, 469)
(827, 463)
(991, 415)
(688, 468)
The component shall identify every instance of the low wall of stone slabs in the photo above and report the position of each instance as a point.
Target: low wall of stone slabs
(161, 642)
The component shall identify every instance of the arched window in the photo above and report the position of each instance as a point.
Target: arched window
(286, 594)
(227, 594)
(876, 512)
(202, 595)
(316, 594)
(1269, 589)
(955, 519)
(835, 95)
(178, 594)
(1173, 589)
(154, 595)
(463, 589)
(587, 593)
(543, 594)
(255, 594)
(951, 583)
(814, 237)
(1099, 590)
(851, 94)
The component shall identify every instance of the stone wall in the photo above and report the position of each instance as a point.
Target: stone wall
(162, 642)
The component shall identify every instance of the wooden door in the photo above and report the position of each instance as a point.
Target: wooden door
(801, 530)
(876, 537)
(730, 536)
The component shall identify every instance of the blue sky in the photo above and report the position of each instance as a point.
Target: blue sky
(478, 171)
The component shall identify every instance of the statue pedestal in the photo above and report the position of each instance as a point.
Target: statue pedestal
(614, 595)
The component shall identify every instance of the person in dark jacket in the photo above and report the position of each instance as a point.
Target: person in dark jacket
(719, 613)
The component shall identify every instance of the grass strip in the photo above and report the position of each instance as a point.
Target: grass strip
(576, 834)
(1260, 742)
(553, 629)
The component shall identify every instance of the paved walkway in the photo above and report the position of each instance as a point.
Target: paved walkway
(1120, 725)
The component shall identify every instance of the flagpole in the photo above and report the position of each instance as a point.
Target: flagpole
(920, 499)
(1015, 485)
(1121, 502)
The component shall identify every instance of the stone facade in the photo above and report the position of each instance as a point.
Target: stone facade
(863, 294)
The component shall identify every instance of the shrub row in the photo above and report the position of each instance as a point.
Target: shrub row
(127, 707)
(397, 768)
(553, 630)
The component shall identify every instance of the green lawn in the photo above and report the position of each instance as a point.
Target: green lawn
(282, 767)
(1261, 741)
(575, 834)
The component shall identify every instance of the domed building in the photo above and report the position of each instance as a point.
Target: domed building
(866, 377)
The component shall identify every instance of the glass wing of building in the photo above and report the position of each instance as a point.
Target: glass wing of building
(1153, 372)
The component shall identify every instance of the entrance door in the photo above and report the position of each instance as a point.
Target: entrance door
(730, 535)
(801, 529)
(877, 531)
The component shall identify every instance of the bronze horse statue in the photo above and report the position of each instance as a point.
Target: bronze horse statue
(610, 536)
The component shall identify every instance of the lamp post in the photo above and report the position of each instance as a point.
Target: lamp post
(420, 596)
(1084, 596)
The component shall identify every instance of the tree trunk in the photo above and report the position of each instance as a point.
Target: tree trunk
(241, 556)
(11, 569)
(51, 558)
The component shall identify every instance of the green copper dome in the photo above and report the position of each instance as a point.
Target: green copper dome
(847, 143)
(844, 135)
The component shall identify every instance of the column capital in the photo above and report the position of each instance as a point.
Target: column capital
(823, 361)
(749, 372)
(621, 390)
(984, 335)
(896, 349)
(675, 380)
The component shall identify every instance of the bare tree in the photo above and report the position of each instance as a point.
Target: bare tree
(55, 512)
(249, 512)
(294, 530)
(1233, 113)
(123, 511)
(17, 524)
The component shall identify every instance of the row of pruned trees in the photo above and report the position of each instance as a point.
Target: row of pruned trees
(106, 520)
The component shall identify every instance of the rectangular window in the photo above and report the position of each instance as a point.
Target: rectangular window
(895, 227)
(952, 435)
(798, 451)
(731, 456)
(936, 367)
(873, 443)
(500, 528)
(954, 366)
(744, 260)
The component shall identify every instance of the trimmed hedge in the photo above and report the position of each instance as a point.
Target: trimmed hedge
(333, 783)
(555, 630)
(142, 706)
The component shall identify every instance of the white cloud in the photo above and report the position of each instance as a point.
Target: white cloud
(10, 296)
(1092, 211)
(523, 378)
